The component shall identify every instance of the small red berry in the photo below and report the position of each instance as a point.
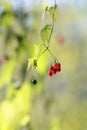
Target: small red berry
(51, 68)
(54, 69)
(54, 72)
(57, 66)
(59, 70)
(50, 73)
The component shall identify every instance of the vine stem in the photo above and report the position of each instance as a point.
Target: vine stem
(50, 52)
(41, 54)
(47, 46)
(52, 26)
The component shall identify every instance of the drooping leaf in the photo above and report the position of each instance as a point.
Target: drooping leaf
(45, 33)
(53, 11)
(32, 61)
(46, 9)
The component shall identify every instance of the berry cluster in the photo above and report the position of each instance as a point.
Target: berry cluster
(54, 69)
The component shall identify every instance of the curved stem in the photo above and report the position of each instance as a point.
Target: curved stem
(52, 26)
(47, 46)
(50, 52)
(42, 53)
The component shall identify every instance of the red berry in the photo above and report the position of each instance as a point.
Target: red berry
(54, 69)
(51, 68)
(57, 66)
(59, 70)
(54, 72)
(50, 73)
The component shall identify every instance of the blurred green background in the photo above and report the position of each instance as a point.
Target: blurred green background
(55, 103)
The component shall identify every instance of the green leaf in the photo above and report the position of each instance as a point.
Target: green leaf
(53, 11)
(45, 33)
(32, 62)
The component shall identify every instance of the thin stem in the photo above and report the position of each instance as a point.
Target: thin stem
(47, 46)
(50, 52)
(42, 53)
(52, 26)
(51, 33)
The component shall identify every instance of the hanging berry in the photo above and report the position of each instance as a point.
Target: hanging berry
(50, 73)
(57, 66)
(54, 69)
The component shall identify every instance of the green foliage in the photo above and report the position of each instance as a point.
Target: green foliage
(53, 11)
(45, 33)
(31, 100)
